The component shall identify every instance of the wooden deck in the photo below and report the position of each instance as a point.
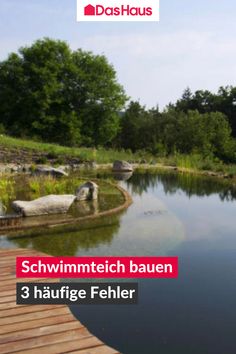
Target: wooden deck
(39, 329)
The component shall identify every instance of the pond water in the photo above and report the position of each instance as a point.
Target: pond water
(191, 217)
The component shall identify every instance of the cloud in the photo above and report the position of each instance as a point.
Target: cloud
(158, 45)
(146, 44)
(159, 66)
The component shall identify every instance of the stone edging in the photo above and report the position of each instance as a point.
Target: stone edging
(127, 202)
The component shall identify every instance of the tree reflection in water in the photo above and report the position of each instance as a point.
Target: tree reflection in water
(70, 240)
(191, 185)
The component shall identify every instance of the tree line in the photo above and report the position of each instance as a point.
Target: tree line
(177, 131)
(49, 92)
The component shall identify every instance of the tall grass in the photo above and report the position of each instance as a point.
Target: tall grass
(41, 186)
(197, 162)
(189, 161)
(7, 189)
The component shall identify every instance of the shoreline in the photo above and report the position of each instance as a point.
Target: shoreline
(14, 169)
(206, 173)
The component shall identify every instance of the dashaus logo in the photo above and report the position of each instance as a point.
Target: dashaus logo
(118, 10)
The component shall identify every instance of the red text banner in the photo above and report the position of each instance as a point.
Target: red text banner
(97, 267)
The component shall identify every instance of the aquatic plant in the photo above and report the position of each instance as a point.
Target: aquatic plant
(34, 185)
(7, 189)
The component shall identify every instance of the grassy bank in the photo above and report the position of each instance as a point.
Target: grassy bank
(100, 155)
(185, 165)
(193, 162)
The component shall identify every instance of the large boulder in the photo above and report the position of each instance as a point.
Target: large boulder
(88, 191)
(49, 171)
(51, 204)
(122, 166)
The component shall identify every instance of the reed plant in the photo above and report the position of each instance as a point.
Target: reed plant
(7, 189)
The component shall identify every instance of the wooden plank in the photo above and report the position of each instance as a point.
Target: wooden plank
(103, 349)
(7, 276)
(9, 305)
(66, 347)
(19, 251)
(10, 328)
(10, 258)
(34, 315)
(7, 262)
(9, 292)
(9, 298)
(7, 288)
(6, 258)
(18, 310)
(37, 332)
(49, 339)
(7, 271)
(16, 253)
(13, 280)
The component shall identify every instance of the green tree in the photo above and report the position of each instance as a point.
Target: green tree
(50, 92)
(205, 102)
(207, 134)
(226, 103)
(137, 128)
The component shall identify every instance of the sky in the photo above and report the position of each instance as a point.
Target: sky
(193, 45)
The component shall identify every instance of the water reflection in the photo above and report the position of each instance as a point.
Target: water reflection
(84, 208)
(122, 176)
(69, 240)
(191, 185)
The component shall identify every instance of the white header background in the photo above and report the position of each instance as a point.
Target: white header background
(154, 4)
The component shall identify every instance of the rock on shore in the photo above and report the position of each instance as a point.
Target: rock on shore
(49, 171)
(51, 204)
(88, 191)
(122, 166)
